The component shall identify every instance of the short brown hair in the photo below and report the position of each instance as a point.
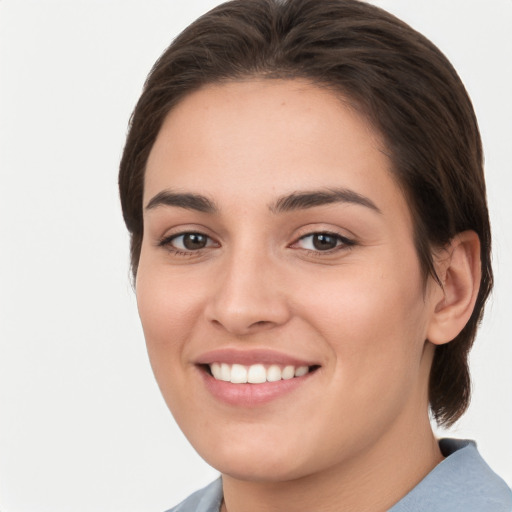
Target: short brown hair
(397, 78)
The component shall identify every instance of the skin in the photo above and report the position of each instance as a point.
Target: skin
(356, 432)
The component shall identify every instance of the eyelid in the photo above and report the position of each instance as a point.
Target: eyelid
(167, 242)
(343, 242)
(167, 234)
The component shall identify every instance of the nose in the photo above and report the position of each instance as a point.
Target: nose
(249, 295)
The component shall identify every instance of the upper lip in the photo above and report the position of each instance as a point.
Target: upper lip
(251, 356)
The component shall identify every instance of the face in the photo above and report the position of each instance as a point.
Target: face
(279, 289)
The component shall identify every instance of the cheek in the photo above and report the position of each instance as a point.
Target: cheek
(168, 310)
(374, 324)
(168, 314)
(371, 315)
(166, 302)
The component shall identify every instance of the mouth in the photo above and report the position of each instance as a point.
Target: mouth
(253, 378)
(258, 373)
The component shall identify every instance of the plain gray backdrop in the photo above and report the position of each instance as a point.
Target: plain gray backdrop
(82, 423)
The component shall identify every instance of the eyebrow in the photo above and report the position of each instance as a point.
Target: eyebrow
(313, 198)
(290, 202)
(196, 202)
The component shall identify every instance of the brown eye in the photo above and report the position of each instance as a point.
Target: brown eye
(194, 241)
(322, 242)
(188, 242)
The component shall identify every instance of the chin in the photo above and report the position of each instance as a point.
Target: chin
(251, 461)
(259, 469)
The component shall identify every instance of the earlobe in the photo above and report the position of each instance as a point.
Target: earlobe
(459, 269)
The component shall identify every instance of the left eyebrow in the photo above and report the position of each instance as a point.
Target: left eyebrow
(187, 201)
(313, 198)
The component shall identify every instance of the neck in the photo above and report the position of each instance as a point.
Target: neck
(373, 480)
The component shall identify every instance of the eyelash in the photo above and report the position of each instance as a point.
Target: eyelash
(167, 244)
(343, 243)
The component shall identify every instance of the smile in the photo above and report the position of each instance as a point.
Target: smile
(252, 378)
(255, 373)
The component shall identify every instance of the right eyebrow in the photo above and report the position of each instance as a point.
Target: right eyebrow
(302, 200)
(196, 202)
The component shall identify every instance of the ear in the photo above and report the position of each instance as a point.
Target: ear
(459, 269)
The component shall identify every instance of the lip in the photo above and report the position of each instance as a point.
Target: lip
(248, 357)
(251, 395)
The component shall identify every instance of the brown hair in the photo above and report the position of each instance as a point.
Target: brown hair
(397, 78)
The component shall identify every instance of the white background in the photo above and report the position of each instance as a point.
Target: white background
(82, 424)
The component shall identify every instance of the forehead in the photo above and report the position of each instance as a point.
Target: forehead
(257, 138)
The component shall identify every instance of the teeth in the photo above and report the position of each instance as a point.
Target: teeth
(216, 371)
(274, 373)
(288, 372)
(225, 372)
(256, 373)
(238, 374)
(301, 370)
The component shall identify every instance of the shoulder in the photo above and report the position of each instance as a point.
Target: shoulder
(207, 499)
(462, 482)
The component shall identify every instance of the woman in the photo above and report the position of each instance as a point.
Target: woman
(303, 186)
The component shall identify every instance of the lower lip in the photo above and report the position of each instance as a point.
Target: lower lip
(250, 395)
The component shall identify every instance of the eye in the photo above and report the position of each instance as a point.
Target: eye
(322, 241)
(188, 242)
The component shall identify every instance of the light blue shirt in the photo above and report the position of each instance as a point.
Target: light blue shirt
(462, 482)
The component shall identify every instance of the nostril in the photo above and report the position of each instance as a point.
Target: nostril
(245, 318)
(261, 323)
